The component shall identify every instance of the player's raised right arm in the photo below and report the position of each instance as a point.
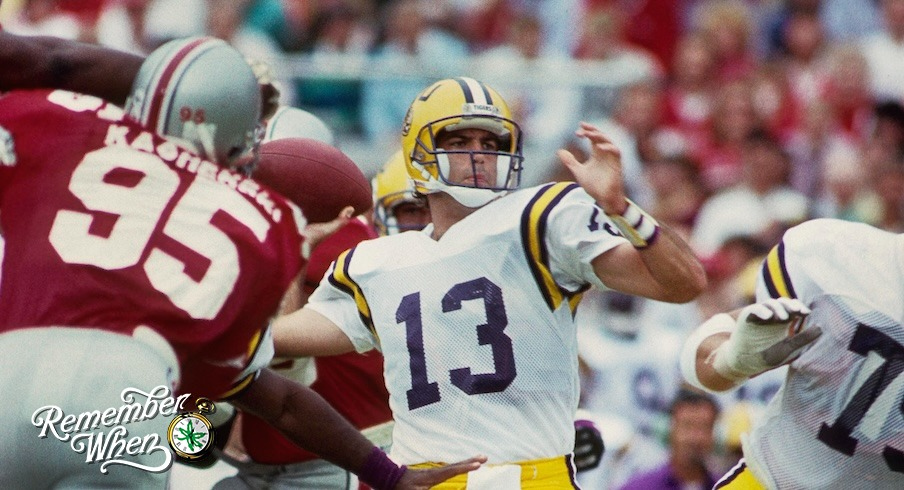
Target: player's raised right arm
(50, 62)
(657, 264)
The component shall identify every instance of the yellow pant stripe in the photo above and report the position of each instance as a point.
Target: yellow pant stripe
(739, 478)
(551, 473)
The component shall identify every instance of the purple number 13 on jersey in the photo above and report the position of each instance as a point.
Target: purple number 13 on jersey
(423, 392)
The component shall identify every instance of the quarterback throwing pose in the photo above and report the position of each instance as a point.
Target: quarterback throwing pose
(830, 297)
(473, 314)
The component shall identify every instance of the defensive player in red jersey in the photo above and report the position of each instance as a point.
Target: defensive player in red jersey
(136, 259)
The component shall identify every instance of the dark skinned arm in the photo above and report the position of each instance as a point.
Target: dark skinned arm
(28, 62)
(309, 421)
(50, 62)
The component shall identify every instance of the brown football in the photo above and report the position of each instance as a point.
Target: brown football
(319, 178)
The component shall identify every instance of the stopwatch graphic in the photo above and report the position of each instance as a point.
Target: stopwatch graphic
(191, 434)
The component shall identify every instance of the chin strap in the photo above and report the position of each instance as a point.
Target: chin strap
(466, 196)
(472, 198)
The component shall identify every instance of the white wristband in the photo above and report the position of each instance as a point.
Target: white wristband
(636, 225)
(721, 323)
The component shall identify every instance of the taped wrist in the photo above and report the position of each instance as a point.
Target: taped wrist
(380, 472)
(636, 225)
(721, 323)
(740, 357)
(722, 360)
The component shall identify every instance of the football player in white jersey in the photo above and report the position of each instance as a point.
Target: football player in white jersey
(829, 303)
(473, 314)
(397, 209)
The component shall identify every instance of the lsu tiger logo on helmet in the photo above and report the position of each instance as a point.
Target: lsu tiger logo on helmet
(450, 105)
(393, 189)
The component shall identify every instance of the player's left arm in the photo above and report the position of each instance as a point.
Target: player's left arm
(314, 233)
(332, 321)
(730, 348)
(294, 298)
(656, 264)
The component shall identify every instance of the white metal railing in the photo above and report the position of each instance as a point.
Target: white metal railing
(542, 73)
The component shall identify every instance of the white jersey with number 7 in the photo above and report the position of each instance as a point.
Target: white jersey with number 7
(838, 421)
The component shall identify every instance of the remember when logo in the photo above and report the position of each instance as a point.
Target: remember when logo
(102, 435)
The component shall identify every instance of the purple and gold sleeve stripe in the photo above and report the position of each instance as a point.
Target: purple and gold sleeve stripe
(775, 274)
(533, 231)
(253, 346)
(240, 386)
(575, 298)
(341, 279)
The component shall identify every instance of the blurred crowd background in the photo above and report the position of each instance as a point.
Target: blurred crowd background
(736, 119)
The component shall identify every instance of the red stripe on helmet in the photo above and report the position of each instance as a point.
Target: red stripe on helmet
(158, 93)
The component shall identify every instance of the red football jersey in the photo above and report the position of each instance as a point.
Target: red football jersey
(353, 233)
(109, 226)
(352, 383)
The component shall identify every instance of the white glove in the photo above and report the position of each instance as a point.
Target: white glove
(768, 335)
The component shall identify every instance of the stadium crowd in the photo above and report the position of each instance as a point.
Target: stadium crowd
(736, 120)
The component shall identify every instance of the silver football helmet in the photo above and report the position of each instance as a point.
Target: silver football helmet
(292, 122)
(203, 92)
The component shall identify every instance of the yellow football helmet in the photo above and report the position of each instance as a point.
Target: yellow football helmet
(392, 187)
(450, 105)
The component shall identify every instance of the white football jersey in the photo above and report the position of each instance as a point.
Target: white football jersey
(476, 328)
(838, 421)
